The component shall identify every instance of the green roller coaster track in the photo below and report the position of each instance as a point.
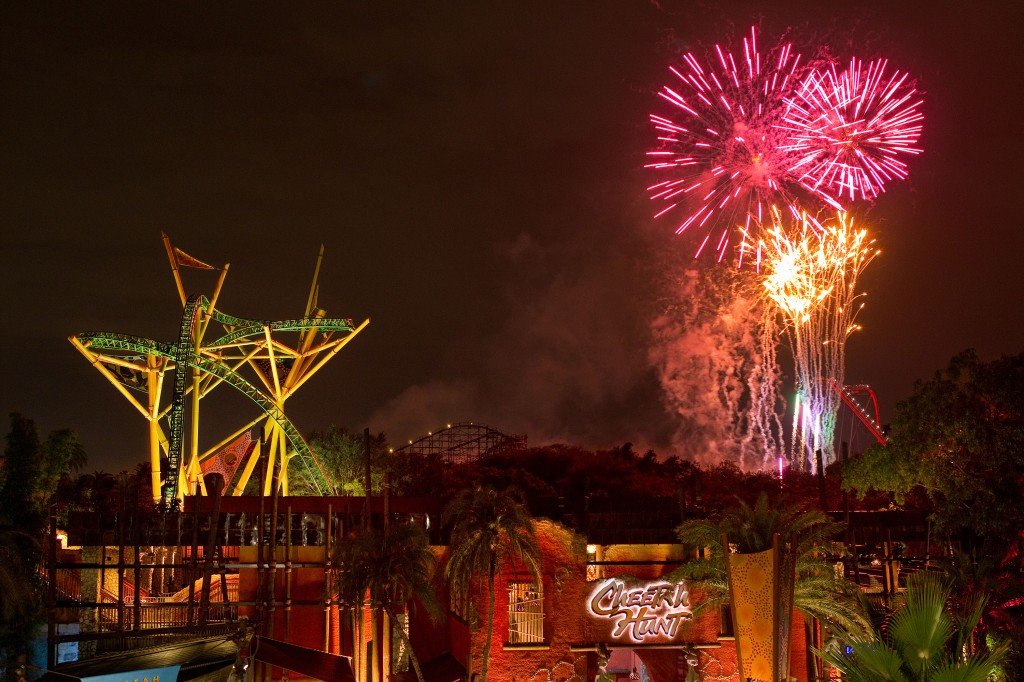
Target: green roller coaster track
(184, 355)
(255, 328)
(176, 417)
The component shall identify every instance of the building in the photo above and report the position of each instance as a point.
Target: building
(606, 602)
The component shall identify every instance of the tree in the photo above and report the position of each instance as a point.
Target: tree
(1001, 583)
(343, 457)
(17, 589)
(62, 454)
(923, 641)
(30, 474)
(22, 519)
(489, 530)
(818, 592)
(96, 492)
(960, 439)
(393, 566)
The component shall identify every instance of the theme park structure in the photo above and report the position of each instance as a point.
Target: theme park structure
(214, 348)
(464, 443)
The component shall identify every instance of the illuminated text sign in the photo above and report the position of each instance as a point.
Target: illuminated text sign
(644, 611)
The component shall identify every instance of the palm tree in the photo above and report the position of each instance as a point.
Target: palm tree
(393, 566)
(818, 592)
(922, 641)
(489, 530)
(1002, 580)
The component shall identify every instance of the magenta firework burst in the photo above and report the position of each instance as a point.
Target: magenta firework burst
(852, 128)
(722, 149)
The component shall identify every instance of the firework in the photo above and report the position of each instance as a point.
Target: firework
(810, 273)
(851, 129)
(722, 149)
(718, 374)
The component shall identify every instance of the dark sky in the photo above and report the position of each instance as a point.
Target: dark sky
(474, 172)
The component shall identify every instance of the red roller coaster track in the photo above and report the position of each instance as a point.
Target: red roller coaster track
(871, 424)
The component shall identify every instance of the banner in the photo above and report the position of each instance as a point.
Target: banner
(752, 588)
(184, 260)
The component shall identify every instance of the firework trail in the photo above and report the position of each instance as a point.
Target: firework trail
(810, 273)
(745, 132)
(851, 129)
(723, 149)
(717, 371)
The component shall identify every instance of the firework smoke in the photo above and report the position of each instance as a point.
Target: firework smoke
(717, 369)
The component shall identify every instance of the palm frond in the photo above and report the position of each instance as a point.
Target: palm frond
(921, 628)
(866, 661)
(975, 670)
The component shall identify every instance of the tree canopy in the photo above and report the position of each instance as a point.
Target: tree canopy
(28, 481)
(959, 438)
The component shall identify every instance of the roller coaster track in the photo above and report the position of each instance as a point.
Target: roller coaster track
(176, 417)
(257, 327)
(871, 424)
(184, 355)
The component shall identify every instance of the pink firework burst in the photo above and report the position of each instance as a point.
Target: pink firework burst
(722, 149)
(852, 128)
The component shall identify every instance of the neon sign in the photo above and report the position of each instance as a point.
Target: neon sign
(649, 610)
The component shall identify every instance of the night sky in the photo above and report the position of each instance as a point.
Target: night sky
(474, 171)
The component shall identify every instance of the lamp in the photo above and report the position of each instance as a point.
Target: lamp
(634, 675)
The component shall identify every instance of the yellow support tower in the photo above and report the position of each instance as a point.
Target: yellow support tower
(250, 355)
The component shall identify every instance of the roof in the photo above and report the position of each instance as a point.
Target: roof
(308, 662)
(195, 658)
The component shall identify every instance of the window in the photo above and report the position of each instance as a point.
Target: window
(525, 613)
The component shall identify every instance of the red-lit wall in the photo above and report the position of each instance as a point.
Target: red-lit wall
(570, 632)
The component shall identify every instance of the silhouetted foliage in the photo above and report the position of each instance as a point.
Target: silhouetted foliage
(923, 639)
(490, 530)
(28, 482)
(958, 442)
(392, 566)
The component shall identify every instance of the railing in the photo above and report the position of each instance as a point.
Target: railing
(162, 615)
(69, 584)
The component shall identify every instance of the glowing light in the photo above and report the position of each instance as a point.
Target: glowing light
(722, 149)
(810, 272)
(851, 129)
(641, 612)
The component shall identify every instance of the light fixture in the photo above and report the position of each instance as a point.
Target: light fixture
(634, 675)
